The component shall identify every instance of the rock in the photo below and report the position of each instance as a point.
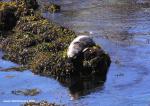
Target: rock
(42, 103)
(26, 92)
(31, 4)
(97, 60)
(92, 61)
(52, 8)
(7, 16)
(11, 11)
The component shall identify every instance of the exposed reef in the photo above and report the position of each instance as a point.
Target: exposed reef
(42, 45)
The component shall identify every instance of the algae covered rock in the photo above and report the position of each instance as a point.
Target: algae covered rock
(10, 12)
(39, 44)
(42, 45)
(52, 8)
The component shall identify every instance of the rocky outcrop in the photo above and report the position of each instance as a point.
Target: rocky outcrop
(10, 12)
(42, 46)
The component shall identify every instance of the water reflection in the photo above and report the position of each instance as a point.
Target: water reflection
(81, 86)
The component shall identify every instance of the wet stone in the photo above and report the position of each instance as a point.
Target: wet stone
(31, 4)
(52, 8)
(27, 92)
(20, 69)
(42, 103)
(7, 16)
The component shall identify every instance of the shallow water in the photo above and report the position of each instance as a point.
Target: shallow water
(122, 28)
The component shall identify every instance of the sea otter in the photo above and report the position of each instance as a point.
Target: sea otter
(78, 45)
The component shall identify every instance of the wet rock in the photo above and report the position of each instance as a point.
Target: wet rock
(96, 59)
(26, 92)
(92, 61)
(10, 12)
(7, 16)
(42, 103)
(52, 8)
(9, 76)
(31, 4)
(20, 69)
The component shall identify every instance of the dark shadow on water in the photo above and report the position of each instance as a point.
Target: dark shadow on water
(82, 86)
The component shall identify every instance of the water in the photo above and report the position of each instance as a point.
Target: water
(122, 28)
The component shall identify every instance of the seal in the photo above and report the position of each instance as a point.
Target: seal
(78, 45)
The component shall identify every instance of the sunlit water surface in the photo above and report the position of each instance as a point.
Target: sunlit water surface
(122, 28)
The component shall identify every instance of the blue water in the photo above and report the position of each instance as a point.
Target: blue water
(122, 28)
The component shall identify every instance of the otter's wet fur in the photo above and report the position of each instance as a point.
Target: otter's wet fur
(78, 45)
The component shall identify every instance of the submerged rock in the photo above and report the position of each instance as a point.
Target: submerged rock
(52, 8)
(26, 92)
(42, 103)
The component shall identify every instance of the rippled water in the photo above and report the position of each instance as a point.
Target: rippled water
(122, 27)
